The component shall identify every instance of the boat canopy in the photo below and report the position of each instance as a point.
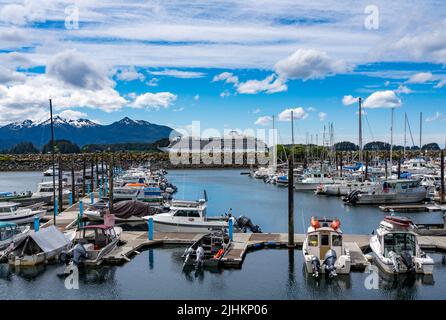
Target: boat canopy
(7, 224)
(5, 194)
(50, 239)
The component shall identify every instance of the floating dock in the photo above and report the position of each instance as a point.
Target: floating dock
(413, 208)
(132, 242)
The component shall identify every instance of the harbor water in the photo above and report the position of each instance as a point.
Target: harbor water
(265, 274)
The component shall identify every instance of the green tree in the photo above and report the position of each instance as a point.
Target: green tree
(24, 148)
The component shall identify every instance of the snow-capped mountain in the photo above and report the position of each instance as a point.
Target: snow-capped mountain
(81, 132)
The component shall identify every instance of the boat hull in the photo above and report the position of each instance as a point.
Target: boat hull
(22, 218)
(205, 227)
(390, 198)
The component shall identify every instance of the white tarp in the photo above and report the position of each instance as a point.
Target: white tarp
(50, 239)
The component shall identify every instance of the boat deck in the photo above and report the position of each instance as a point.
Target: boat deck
(413, 208)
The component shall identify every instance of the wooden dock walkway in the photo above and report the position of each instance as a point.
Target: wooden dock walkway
(133, 241)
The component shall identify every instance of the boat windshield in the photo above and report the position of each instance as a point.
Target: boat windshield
(6, 233)
(399, 243)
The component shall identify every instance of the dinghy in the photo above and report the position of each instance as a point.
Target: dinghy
(12, 233)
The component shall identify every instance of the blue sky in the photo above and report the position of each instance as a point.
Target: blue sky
(229, 64)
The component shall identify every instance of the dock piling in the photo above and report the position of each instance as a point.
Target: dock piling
(290, 202)
(56, 207)
(150, 228)
(442, 177)
(231, 228)
(91, 197)
(70, 199)
(36, 223)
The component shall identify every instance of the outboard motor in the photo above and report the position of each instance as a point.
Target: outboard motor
(200, 258)
(394, 258)
(329, 263)
(79, 254)
(406, 257)
(245, 223)
(316, 265)
(352, 197)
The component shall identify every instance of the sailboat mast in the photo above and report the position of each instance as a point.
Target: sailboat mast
(54, 160)
(391, 140)
(360, 130)
(421, 128)
(405, 136)
(292, 135)
(274, 145)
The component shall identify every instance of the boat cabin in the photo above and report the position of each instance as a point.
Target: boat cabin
(8, 230)
(396, 234)
(8, 207)
(405, 185)
(94, 238)
(322, 235)
(189, 210)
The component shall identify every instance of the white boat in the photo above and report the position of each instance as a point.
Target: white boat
(12, 233)
(12, 212)
(92, 243)
(323, 248)
(344, 188)
(45, 189)
(40, 247)
(396, 250)
(191, 216)
(310, 181)
(390, 192)
(417, 166)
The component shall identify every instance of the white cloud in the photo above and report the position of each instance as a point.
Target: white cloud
(263, 121)
(74, 69)
(178, 74)
(129, 74)
(227, 77)
(10, 76)
(440, 84)
(437, 117)
(256, 111)
(153, 82)
(298, 113)
(72, 115)
(178, 109)
(311, 109)
(270, 84)
(349, 99)
(197, 97)
(225, 94)
(322, 116)
(420, 77)
(154, 100)
(403, 89)
(309, 64)
(18, 14)
(382, 99)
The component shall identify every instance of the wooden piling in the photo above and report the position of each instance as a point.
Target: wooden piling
(385, 166)
(340, 164)
(366, 175)
(73, 182)
(84, 169)
(92, 174)
(110, 181)
(291, 202)
(442, 177)
(399, 167)
(60, 185)
(97, 170)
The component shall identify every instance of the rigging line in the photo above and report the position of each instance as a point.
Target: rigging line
(410, 132)
(370, 128)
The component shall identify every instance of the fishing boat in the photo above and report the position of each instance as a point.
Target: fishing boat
(207, 251)
(344, 188)
(390, 192)
(12, 233)
(191, 216)
(92, 243)
(40, 247)
(45, 189)
(323, 248)
(396, 250)
(12, 212)
(24, 198)
(310, 181)
(124, 211)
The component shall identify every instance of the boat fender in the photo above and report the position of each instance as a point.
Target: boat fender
(219, 253)
(315, 223)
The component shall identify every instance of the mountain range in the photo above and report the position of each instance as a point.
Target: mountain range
(81, 132)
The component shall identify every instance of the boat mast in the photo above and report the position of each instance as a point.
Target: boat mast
(274, 146)
(405, 136)
(421, 128)
(53, 158)
(292, 135)
(391, 140)
(360, 130)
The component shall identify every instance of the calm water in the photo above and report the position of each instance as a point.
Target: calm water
(265, 274)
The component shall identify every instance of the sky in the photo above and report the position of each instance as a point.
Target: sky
(230, 65)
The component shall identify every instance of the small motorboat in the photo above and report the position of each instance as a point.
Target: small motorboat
(12, 212)
(323, 248)
(91, 244)
(12, 233)
(207, 251)
(40, 247)
(396, 250)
